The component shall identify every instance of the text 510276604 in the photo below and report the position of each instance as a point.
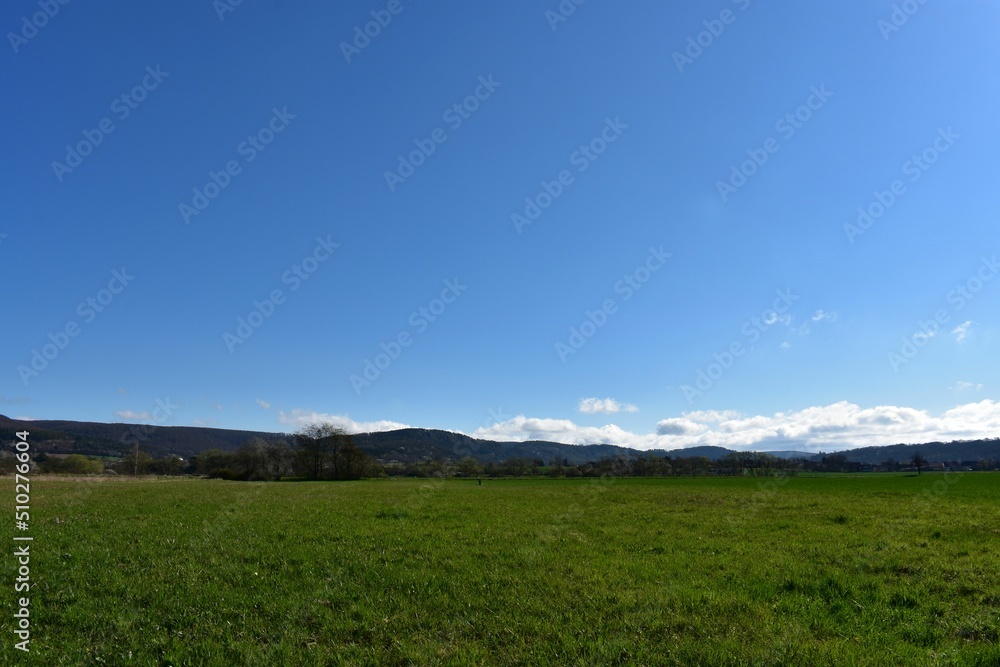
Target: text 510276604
(22, 548)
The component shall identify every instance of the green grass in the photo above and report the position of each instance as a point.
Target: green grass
(875, 570)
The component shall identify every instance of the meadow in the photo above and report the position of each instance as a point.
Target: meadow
(866, 570)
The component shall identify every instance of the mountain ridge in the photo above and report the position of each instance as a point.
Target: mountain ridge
(416, 444)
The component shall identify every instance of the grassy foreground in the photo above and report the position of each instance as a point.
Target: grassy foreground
(878, 570)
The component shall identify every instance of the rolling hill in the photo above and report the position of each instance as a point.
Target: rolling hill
(417, 444)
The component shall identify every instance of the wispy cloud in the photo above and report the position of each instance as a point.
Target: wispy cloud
(132, 416)
(264, 404)
(773, 318)
(821, 315)
(961, 332)
(13, 400)
(590, 406)
(965, 386)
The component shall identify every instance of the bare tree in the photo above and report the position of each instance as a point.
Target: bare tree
(353, 463)
(250, 459)
(919, 462)
(276, 458)
(317, 450)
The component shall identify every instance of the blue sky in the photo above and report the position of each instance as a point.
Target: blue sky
(634, 223)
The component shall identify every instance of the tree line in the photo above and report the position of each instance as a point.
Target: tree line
(744, 464)
(646, 465)
(326, 452)
(316, 452)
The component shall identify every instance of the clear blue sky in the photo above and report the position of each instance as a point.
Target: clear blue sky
(657, 228)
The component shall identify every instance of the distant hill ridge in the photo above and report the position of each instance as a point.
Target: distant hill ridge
(416, 444)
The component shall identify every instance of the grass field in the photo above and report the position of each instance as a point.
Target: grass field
(876, 570)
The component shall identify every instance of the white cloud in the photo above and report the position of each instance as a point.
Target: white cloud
(264, 404)
(590, 406)
(773, 318)
(521, 428)
(831, 427)
(785, 345)
(924, 335)
(132, 416)
(680, 426)
(837, 426)
(962, 331)
(298, 418)
(823, 315)
(963, 386)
